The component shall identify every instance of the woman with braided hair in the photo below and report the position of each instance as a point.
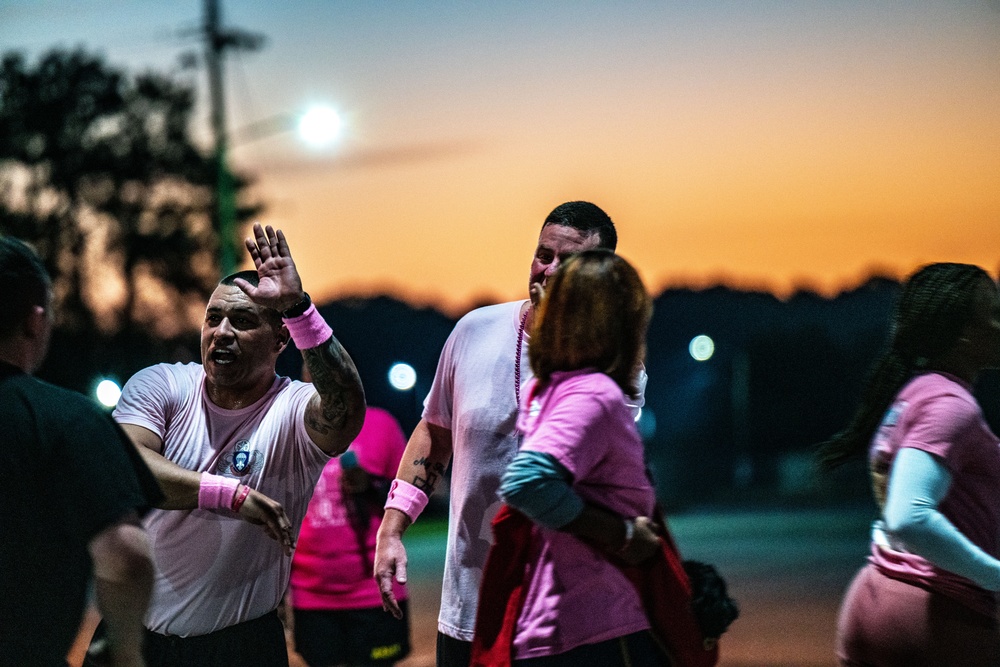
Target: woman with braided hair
(928, 593)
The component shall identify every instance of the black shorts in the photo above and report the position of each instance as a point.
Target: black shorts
(259, 642)
(352, 636)
(453, 652)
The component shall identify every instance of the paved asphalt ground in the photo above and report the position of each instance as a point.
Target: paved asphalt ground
(787, 567)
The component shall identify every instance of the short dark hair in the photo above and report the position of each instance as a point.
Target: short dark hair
(588, 218)
(594, 315)
(26, 283)
(249, 275)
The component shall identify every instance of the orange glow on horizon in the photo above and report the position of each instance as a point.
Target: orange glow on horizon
(766, 145)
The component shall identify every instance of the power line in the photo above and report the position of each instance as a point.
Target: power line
(218, 41)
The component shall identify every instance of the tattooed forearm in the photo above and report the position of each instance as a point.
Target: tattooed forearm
(336, 380)
(432, 472)
(430, 465)
(427, 485)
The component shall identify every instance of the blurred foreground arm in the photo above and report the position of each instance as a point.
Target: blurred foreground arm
(123, 579)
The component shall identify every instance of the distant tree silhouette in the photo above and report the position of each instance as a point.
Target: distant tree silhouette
(98, 170)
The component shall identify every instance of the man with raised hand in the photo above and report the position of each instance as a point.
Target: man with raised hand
(228, 439)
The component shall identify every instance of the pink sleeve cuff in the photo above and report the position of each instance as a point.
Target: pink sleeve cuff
(216, 492)
(309, 329)
(406, 498)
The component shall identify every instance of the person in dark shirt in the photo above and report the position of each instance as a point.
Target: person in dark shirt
(72, 488)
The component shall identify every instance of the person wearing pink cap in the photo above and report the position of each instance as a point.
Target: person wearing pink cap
(337, 607)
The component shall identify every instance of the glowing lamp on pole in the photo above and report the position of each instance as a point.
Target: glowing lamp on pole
(319, 126)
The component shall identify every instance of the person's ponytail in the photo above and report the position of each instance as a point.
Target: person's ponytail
(888, 376)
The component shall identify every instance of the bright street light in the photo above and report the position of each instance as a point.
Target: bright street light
(402, 376)
(108, 392)
(319, 126)
(701, 348)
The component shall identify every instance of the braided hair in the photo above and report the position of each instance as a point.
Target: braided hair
(936, 304)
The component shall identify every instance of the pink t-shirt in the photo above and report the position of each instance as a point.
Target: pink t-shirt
(937, 413)
(575, 595)
(473, 396)
(213, 569)
(332, 567)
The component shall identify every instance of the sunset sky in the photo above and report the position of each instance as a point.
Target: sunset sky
(760, 144)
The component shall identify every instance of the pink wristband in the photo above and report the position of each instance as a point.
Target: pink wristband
(240, 498)
(406, 498)
(309, 329)
(216, 492)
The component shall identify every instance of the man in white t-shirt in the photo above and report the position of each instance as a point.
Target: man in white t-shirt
(469, 420)
(227, 440)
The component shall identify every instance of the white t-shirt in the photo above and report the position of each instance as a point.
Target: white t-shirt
(213, 569)
(473, 396)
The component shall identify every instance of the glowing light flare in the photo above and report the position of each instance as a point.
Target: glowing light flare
(701, 348)
(402, 376)
(319, 126)
(108, 392)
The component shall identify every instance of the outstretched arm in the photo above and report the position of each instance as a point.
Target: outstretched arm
(181, 488)
(335, 415)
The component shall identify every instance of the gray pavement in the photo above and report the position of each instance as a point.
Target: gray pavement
(788, 568)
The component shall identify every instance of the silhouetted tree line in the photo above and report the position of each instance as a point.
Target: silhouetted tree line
(798, 364)
(99, 172)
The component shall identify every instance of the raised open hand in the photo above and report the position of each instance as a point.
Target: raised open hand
(279, 284)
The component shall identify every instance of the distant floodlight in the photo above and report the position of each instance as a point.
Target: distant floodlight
(319, 126)
(402, 376)
(108, 392)
(701, 348)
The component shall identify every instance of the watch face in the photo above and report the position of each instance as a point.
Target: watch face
(299, 308)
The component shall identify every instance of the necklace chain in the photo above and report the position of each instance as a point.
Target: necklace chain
(517, 357)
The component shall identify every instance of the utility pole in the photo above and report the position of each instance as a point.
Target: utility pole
(217, 41)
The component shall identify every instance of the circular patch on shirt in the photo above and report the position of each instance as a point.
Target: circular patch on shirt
(242, 461)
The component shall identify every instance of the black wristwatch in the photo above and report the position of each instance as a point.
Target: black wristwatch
(299, 308)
